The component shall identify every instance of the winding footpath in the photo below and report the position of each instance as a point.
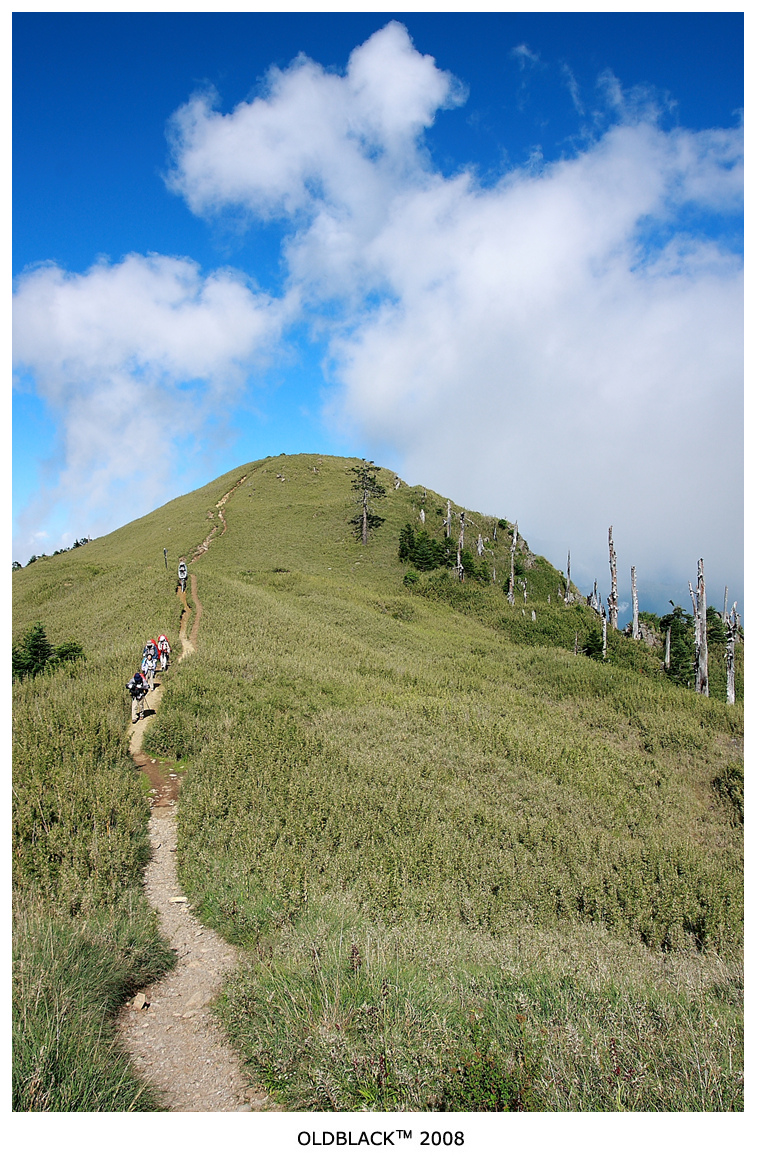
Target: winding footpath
(176, 1042)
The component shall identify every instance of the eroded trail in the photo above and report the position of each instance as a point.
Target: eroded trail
(175, 1040)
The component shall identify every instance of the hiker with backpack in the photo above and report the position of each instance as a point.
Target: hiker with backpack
(150, 662)
(182, 573)
(164, 651)
(138, 690)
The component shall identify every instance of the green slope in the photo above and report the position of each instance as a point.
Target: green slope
(473, 869)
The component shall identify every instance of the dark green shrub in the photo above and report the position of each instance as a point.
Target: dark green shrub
(481, 1080)
(594, 645)
(716, 629)
(681, 625)
(423, 551)
(35, 653)
(729, 787)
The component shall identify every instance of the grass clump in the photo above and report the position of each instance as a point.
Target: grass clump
(69, 977)
(340, 1015)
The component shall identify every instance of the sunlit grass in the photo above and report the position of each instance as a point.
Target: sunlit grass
(470, 867)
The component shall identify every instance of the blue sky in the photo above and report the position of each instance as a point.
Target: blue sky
(500, 254)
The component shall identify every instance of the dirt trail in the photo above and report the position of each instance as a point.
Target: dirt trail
(176, 1042)
(204, 547)
(189, 642)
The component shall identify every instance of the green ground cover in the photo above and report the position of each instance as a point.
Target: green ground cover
(470, 867)
(85, 938)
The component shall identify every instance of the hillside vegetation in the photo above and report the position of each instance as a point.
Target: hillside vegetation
(473, 868)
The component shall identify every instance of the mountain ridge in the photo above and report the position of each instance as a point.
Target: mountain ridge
(461, 858)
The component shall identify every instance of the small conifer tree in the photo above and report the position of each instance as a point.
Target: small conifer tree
(34, 654)
(366, 484)
(681, 670)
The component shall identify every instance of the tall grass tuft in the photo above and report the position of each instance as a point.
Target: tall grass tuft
(69, 978)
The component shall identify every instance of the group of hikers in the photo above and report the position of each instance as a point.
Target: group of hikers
(155, 652)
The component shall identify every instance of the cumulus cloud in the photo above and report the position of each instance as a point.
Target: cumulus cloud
(562, 347)
(133, 359)
(345, 140)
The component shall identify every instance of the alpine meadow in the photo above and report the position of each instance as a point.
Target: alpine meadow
(472, 860)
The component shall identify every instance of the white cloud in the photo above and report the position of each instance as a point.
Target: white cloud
(531, 351)
(344, 140)
(523, 54)
(133, 358)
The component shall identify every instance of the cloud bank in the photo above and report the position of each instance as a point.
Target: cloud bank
(562, 347)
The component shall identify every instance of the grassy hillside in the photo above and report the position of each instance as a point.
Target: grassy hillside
(473, 868)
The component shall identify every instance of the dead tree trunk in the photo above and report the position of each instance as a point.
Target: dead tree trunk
(700, 633)
(725, 605)
(422, 516)
(696, 631)
(447, 522)
(511, 593)
(365, 515)
(567, 591)
(667, 650)
(731, 631)
(604, 636)
(702, 681)
(635, 606)
(481, 545)
(460, 547)
(613, 597)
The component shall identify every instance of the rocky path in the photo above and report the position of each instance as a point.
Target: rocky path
(204, 547)
(175, 1041)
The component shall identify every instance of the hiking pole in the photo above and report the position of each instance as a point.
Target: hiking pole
(166, 562)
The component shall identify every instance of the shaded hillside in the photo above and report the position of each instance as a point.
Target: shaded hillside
(464, 858)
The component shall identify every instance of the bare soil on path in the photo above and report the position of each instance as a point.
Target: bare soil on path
(176, 1042)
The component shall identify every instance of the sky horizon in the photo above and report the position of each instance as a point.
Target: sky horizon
(499, 254)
